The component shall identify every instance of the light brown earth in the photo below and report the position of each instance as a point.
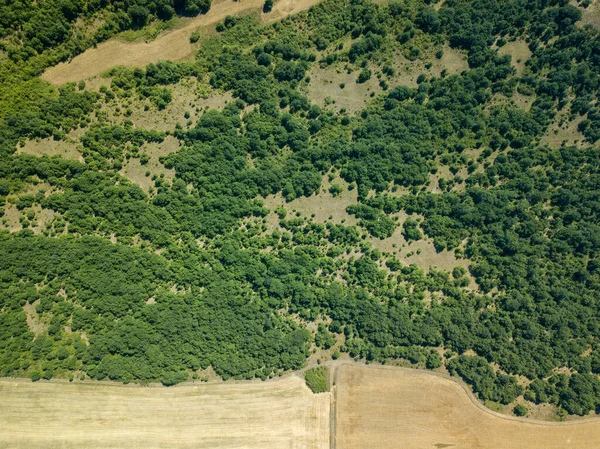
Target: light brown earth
(173, 45)
(281, 413)
(374, 406)
(33, 319)
(379, 407)
(11, 219)
(325, 88)
(323, 204)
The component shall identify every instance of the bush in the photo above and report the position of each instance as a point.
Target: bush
(364, 76)
(35, 376)
(521, 410)
(335, 189)
(317, 379)
(268, 6)
(195, 37)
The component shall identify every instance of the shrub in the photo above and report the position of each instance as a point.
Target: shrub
(521, 410)
(364, 76)
(317, 379)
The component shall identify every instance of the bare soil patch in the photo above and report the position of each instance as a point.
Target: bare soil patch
(452, 61)
(334, 86)
(33, 319)
(11, 219)
(190, 98)
(403, 408)
(173, 45)
(282, 413)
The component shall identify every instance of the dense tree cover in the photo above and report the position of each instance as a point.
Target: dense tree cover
(195, 277)
(220, 324)
(485, 382)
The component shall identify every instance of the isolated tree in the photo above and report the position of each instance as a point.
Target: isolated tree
(268, 6)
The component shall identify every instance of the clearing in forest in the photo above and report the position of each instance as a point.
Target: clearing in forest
(173, 45)
(50, 147)
(379, 407)
(281, 413)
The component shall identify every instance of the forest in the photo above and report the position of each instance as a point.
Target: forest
(198, 272)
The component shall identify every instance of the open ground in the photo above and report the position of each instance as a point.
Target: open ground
(281, 413)
(385, 407)
(173, 45)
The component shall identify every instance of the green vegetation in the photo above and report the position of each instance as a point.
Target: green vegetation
(156, 285)
(521, 410)
(317, 379)
(30, 28)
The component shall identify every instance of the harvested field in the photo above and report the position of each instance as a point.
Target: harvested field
(173, 45)
(378, 407)
(281, 413)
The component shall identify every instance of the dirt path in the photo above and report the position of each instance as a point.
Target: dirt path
(173, 45)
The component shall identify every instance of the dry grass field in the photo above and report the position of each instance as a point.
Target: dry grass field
(50, 147)
(591, 14)
(173, 45)
(323, 204)
(520, 53)
(378, 407)
(281, 413)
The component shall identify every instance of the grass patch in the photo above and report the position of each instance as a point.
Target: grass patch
(149, 32)
(317, 379)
